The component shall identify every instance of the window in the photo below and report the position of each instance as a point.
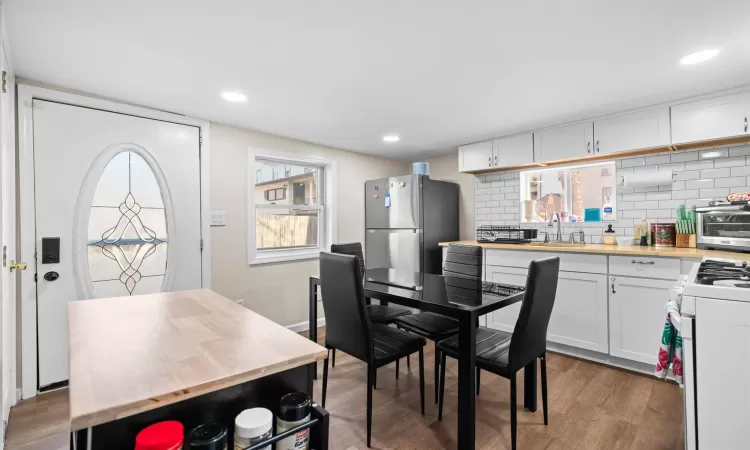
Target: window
(578, 193)
(273, 195)
(290, 216)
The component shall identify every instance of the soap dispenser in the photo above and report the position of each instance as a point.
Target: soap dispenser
(609, 236)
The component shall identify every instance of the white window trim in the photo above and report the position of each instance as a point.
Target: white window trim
(328, 211)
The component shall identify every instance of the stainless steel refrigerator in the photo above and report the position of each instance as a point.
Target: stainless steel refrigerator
(405, 218)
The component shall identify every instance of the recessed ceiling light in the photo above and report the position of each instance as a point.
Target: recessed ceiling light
(699, 57)
(391, 138)
(234, 97)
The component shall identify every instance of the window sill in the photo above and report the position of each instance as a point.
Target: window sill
(277, 257)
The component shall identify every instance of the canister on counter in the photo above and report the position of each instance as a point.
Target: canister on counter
(210, 436)
(663, 234)
(294, 410)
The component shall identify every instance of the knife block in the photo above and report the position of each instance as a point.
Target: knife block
(685, 241)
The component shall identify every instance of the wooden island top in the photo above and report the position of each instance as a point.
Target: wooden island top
(128, 355)
(629, 250)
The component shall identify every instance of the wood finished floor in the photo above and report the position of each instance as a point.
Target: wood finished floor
(591, 407)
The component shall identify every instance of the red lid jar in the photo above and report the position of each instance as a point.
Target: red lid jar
(167, 435)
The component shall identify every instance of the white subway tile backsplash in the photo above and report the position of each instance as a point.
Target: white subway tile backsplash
(684, 156)
(658, 214)
(715, 173)
(729, 182)
(658, 159)
(699, 184)
(714, 193)
(635, 214)
(714, 153)
(698, 180)
(633, 197)
(740, 151)
(698, 165)
(632, 162)
(659, 196)
(682, 195)
(687, 175)
(730, 162)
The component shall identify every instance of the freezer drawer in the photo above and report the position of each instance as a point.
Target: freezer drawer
(394, 249)
(394, 202)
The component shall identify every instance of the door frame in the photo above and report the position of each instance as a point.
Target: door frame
(27, 292)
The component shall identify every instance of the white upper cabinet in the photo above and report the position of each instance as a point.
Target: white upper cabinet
(475, 157)
(570, 141)
(632, 131)
(513, 151)
(713, 118)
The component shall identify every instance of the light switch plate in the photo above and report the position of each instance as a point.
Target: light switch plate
(218, 218)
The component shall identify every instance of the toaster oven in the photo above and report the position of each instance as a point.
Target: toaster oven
(725, 227)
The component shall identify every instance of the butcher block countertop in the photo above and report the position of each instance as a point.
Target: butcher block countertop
(630, 250)
(128, 355)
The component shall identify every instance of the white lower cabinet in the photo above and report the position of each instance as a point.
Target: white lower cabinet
(636, 317)
(579, 317)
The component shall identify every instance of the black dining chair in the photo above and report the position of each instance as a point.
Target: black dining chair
(504, 354)
(461, 261)
(378, 313)
(349, 328)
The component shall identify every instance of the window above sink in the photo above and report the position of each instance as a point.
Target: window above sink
(580, 193)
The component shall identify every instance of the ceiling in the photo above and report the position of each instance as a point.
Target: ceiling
(343, 73)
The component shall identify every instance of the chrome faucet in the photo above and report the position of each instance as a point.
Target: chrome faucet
(549, 224)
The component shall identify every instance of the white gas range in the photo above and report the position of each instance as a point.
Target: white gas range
(715, 328)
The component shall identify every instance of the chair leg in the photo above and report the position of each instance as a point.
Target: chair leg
(397, 361)
(325, 381)
(333, 358)
(408, 361)
(371, 371)
(442, 386)
(478, 372)
(437, 370)
(544, 386)
(513, 412)
(374, 378)
(421, 379)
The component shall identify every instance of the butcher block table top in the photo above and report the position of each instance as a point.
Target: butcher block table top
(128, 355)
(631, 250)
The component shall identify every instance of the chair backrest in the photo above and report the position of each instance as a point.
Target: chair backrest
(529, 339)
(463, 261)
(351, 248)
(348, 326)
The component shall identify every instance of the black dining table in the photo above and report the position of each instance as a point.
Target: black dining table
(460, 298)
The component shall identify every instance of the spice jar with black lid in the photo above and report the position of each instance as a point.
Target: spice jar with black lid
(294, 410)
(210, 436)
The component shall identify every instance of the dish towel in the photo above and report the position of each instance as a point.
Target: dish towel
(670, 348)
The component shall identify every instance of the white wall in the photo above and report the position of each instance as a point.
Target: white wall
(278, 291)
(445, 168)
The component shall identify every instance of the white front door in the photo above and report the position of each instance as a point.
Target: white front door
(117, 203)
(7, 235)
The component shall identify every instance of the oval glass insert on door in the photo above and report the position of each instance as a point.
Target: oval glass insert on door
(127, 229)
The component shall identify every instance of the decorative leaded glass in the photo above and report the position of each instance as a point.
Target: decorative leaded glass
(127, 236)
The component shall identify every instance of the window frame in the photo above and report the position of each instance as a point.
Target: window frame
(524, 187)
(327, 198)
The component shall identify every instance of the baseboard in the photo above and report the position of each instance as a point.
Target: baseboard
(304, 326)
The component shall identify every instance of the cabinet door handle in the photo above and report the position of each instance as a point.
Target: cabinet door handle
(642, 262)
(613, 286)
(597, 145)
(588, 147)
(745, 124)
(495, 161)
(490, 160)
